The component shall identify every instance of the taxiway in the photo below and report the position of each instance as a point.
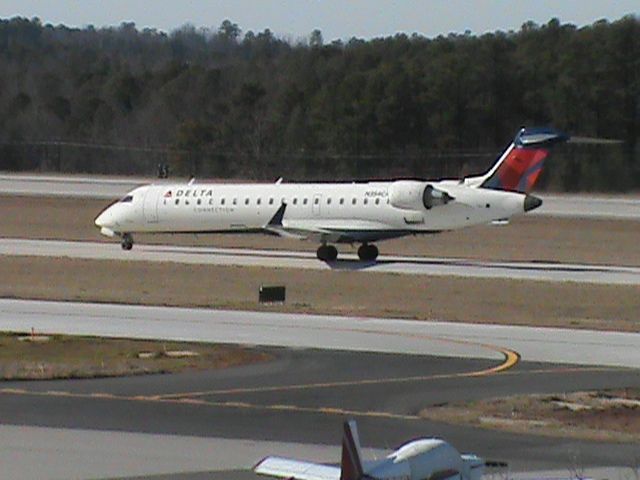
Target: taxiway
(292, 405)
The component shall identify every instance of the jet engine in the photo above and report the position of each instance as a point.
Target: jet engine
(415, 195)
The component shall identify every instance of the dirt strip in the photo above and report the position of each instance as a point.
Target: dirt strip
(501, 301)
(32, 356)
(609, 415)
(527, 238)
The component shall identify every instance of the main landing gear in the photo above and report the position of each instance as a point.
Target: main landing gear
(327, 253)
(367, 252)
(127, 241)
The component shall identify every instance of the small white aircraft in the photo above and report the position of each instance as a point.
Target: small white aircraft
(339, 212)
(427, 458)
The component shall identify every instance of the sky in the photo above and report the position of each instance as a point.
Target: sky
(337, 19)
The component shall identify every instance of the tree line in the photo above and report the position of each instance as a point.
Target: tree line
(222, 102)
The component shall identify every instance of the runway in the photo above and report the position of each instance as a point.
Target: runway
(539, 271)
(579, 206)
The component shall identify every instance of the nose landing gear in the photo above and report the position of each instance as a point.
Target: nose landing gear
(367, 252)
(327, 253)
(127, 241)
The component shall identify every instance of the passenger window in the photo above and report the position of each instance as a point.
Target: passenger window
(199, 202)
(305, 201)
(271, 201)
(295, 200)
(366, 200)
(316, 201)
(377, 201)
(246, 201)
(177, 201)
(328, 201)
(259, 201)
(342, 201)
(353, 201)
(222, 201)
(235, 201)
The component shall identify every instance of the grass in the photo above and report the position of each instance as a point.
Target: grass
(88, 357)
(502, 301)
(608, 415)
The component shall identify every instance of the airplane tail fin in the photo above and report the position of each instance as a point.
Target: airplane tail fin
(351, 463)
(519, 167)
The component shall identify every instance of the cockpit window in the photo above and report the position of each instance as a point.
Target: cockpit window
(127, 199)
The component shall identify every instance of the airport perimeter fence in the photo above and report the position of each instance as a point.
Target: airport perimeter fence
(572, 168)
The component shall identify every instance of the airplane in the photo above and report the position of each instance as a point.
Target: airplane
(426, 458)
(332, 213)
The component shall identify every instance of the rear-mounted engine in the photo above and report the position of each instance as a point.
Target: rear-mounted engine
(415, 195)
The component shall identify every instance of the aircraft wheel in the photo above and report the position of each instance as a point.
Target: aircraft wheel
(127, 241)
(327, 253)
(368, 252)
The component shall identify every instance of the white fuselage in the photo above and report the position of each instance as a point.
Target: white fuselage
(333, 212)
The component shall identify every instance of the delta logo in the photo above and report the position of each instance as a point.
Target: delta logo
(204, 192)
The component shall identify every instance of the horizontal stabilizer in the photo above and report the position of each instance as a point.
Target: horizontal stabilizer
(279, 467)
(538, 137)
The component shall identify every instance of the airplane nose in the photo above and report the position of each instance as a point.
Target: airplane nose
(100, 220)
(105, 219)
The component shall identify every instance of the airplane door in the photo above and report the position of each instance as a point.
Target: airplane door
(315, 207)
(150, 206)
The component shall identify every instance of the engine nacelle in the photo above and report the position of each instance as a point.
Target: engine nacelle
(415, 195)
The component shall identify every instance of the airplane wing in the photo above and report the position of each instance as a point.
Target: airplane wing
(323, 230)
(275, 226)
(295, 469)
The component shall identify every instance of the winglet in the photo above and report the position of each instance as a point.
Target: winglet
(276, 220)
(351, 463)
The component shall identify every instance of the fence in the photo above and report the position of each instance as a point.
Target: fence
(573, 167)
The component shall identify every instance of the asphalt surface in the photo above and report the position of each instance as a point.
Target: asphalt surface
(295, 404)
(590, 206)
(540, 271)
(293, 400)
